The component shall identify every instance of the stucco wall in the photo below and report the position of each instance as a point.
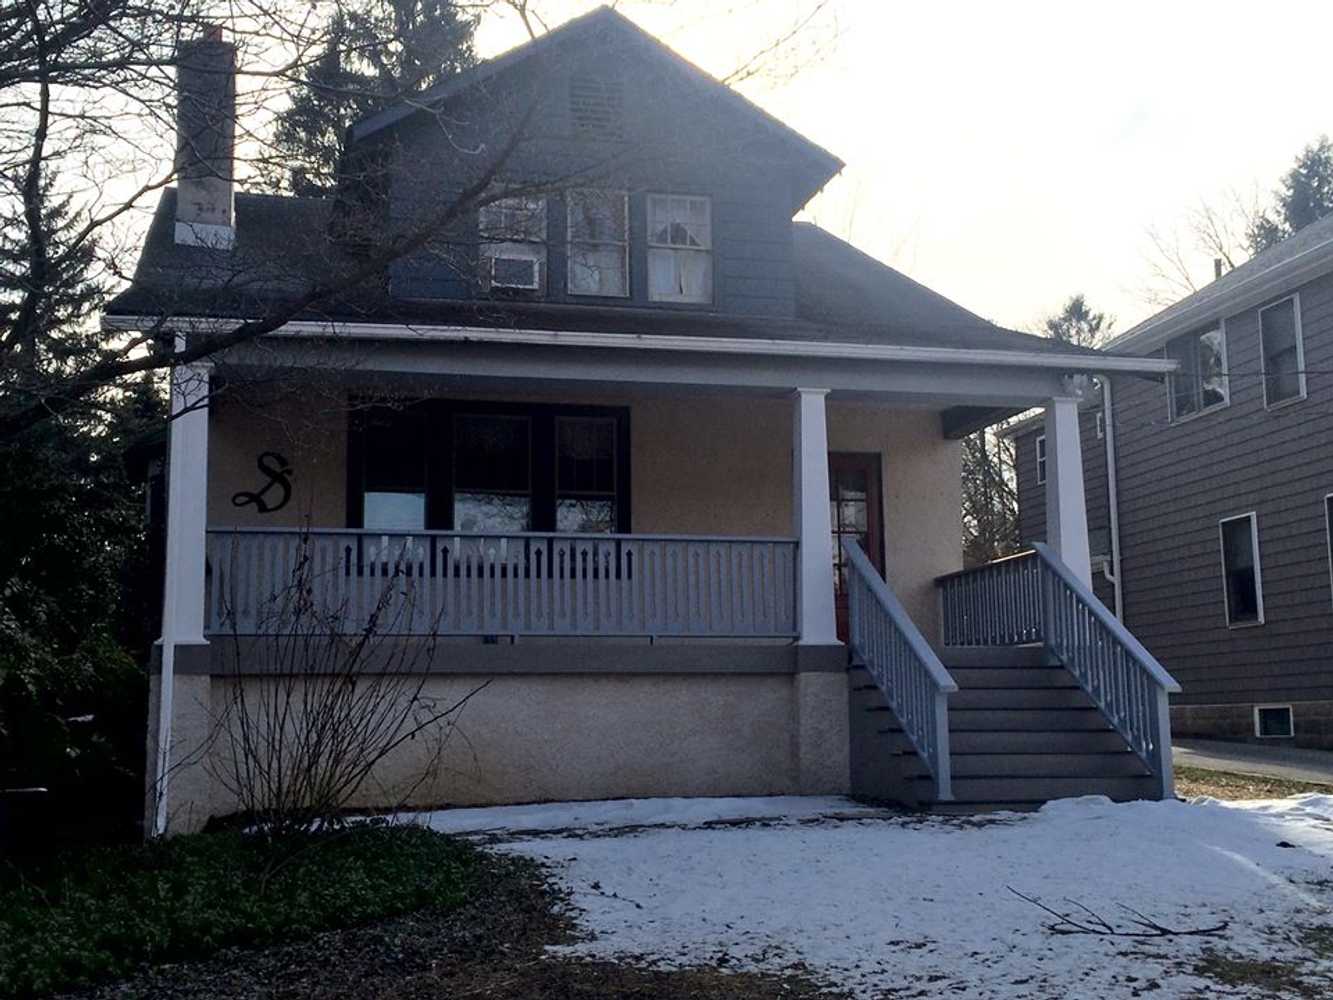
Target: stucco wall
(536, 737)
(700, 465)
(309, 430)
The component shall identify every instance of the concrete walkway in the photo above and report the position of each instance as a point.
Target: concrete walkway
(1249, 758)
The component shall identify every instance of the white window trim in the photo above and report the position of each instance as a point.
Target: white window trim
(1101, 425)
(1220, 327)
(1041, 459)
(622, 243)
(1295, 299)
(1253, 518)
(1328, 536)
(1291, 716)
(708, 250)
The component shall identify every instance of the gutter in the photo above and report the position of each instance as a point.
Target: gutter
(674, 342)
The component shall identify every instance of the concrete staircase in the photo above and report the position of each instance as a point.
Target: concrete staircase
(1021, 731)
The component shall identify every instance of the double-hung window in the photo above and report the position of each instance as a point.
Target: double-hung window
(393, 476)
(512, 233)
(1041, 459)
(1242, 579)
(585, 474)
(492, 472)
(1283, 352)
(598, 243)
(680, 248)
(1201, 382)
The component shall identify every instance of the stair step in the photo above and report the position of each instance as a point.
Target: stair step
(1018, 698)
(970, 678)
(1045, 788)
(1119, 764)
(1026, 719)
(956, 808)
(1033, 741)
(993, 656)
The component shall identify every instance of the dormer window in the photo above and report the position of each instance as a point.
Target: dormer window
(598, 243)
(512, 233)
(680, 249)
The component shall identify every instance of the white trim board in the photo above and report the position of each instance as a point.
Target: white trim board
(989, 357)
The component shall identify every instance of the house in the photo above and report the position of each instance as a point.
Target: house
(627, 444)
(1222, 479)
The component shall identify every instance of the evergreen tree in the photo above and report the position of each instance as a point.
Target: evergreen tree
(1305, 195)
(1078, 324)
(375, 52)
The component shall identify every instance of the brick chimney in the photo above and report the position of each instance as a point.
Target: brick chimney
(205, 141)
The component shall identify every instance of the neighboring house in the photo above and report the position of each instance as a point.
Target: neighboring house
(1224, 476)
(606, 440)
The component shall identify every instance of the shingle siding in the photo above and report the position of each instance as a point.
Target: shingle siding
(1176, 481)
(751, 195)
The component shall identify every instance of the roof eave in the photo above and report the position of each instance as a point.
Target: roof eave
(1153, 333)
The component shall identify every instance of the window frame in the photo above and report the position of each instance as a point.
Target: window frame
(1100, 422)
(537, 250)
(650, 245)
(1253, 518)
(1219, 328)
(1295, 299)
(571, 196)
(1291, 719)
(1040, 448)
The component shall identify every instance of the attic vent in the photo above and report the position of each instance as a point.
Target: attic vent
(597, 106)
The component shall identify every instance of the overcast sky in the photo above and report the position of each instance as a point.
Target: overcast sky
(1010, 154)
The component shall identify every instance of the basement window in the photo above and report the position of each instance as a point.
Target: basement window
(1273, 722)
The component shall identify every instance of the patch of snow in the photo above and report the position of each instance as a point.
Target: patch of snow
(631, 813)
(878, 902)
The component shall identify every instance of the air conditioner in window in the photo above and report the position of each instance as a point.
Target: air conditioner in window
(514, 268)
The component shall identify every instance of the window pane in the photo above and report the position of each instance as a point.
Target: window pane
(1281, 353)
(1242, 583)
(513, 220)
(395, 451)
(492, 512)
(1212, 369)
(386, 511)
(598, 270)
(585, 516)
(491, 453)
(1185, 382)
(597, 216)
(680, 275)
(585, 449)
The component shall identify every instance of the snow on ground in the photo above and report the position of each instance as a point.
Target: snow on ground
(881, 902)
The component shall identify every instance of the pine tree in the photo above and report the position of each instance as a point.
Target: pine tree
(376, 51)
(1305, 195)
(1078, 324)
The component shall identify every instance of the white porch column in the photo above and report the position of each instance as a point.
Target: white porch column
(1066, 506)
(183, 590)
(810, 516)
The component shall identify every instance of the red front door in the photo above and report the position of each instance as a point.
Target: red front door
(855, 507)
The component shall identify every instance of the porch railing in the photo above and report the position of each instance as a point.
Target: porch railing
(905, 668)
(456, 583)
(1034, 597)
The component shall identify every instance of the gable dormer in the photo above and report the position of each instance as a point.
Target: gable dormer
(638, 181)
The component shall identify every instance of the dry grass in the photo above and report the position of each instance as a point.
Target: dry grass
(1192, 781)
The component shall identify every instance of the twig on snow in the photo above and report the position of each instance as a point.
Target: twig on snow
(1095, 924)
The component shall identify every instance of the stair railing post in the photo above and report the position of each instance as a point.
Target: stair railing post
(1163, 764)
(943, 765)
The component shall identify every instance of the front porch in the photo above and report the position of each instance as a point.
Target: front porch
(646, 569)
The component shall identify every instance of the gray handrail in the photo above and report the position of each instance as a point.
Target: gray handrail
(1035, 597)
(1099, 611)
(908, 673)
